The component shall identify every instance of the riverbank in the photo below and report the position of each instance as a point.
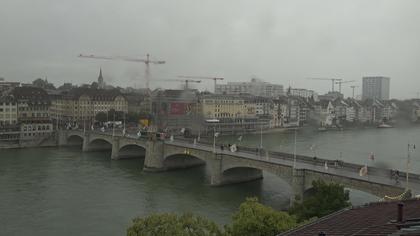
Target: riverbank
(47, 142)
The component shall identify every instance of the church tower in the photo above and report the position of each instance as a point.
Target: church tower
(101, 83)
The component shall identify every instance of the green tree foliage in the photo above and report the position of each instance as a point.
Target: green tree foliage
(255, 219)
(169, 224)
(136, 116)
(101, 116)
(326, 199)
(40, 83)
(117, 115)
(94, 85)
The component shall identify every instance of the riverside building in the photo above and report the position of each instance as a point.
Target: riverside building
(79, 106)
(255, 87)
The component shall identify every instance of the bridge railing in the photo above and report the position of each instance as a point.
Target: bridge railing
(316, 161)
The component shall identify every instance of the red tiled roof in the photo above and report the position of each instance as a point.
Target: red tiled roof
(373, 219)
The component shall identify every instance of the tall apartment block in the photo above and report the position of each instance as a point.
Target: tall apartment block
(376, 87)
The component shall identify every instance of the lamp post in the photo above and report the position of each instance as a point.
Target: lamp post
(113, 126)
(261, 135)
(410, 148)
(83, 117)
(294, 152)
(214, 122)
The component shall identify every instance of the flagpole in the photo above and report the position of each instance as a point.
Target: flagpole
(409, 146)
(214, 139)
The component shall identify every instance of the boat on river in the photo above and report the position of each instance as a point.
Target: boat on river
(383, 125)
(322, 128)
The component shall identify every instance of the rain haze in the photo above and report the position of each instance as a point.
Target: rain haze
(281, 42)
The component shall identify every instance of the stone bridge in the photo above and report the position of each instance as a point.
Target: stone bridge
(244, 165)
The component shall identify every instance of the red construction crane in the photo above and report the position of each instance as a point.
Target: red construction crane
(180, 80)
(146, 61)
(343, 82)
(331, 79)
(202, 77)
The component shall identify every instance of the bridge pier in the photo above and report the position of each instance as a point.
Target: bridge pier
(215, 166)
(62, 139)
(85, 145)
(115, 149)
(154, 157)
(298, 186)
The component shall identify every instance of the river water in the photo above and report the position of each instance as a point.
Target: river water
(63, 191)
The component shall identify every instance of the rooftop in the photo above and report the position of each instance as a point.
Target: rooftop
(374, 219)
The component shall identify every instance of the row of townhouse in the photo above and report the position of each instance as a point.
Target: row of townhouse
(31, 113)
(339, 112)
(24, 114)
(80, 106)
(247, 113)
(228, 113)
(415, 110)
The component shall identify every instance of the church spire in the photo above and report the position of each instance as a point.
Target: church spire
(101, 83)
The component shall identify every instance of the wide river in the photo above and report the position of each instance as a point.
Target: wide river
(63, 191)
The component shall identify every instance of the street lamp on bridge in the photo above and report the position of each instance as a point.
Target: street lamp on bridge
(214, 122)
(410, 148)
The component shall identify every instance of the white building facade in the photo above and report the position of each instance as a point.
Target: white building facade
(255, 87)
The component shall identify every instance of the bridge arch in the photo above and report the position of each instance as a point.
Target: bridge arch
(75, 140)
(132, 150)
(98, 144)
(240, 174)
(182, 161)
(250, 168)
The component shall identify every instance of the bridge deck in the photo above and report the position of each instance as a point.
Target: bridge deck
(348, 170)
(343, 169)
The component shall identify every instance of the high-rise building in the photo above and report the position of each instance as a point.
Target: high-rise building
(256, 87)
(376, 87)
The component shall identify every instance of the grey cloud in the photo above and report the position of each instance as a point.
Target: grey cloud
(279, 41)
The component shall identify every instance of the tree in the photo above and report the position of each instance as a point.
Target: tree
(173, 225)
(101, 117)
(94, 85)
(326, 199)
(117, 115)
(40, 83)
(253, 218)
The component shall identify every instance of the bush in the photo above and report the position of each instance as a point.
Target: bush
(173, 225)
(327, 198)
(255, 219)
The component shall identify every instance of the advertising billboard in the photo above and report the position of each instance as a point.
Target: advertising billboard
(178, 108)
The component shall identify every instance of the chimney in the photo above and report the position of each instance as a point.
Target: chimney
(400, 218)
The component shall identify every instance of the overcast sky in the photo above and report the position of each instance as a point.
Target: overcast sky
(278, 41)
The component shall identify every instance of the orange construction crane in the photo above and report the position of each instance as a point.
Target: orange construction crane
(202, 77)
(186, 81)
(146, 61)
(343, 82)
(333, 81)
